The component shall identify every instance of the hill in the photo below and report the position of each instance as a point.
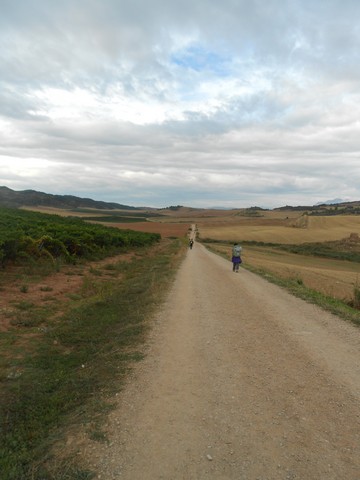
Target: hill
(32, 198)
(327, 209)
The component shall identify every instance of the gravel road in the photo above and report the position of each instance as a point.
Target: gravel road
(240, 381)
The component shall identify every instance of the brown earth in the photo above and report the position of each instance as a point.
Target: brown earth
(241, 381)
(50, 289)
(58, 286)
(165, 229)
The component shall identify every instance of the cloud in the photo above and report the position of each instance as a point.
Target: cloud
(169, 102)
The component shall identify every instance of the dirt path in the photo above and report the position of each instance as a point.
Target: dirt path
(240, 381)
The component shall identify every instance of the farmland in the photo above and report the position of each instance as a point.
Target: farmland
(163, 228)
(148, 221)
(26, 235)
(314, 249)
(302, 229)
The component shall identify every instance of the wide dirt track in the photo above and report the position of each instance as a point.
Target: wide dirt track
(240, 381)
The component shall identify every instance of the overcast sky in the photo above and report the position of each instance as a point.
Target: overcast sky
(230, 103)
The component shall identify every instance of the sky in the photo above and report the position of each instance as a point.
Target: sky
(179, 102)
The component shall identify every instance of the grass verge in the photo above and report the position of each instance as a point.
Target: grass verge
(75, 364)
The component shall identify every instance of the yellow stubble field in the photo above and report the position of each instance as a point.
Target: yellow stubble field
(303, 229)
(332, 277)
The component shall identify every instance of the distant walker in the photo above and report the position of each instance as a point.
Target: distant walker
(236, 257)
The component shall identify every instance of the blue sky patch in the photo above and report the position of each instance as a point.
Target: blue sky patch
(201, 59)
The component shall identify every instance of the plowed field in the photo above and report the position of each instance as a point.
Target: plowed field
(165, 229)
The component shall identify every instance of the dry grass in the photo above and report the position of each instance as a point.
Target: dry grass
(334, 278)
(285, 230)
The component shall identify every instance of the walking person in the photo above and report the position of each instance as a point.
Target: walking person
(236, 257)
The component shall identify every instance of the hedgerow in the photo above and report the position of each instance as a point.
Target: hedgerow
(25, 234)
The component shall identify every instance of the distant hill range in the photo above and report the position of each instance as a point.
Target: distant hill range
(326, 208)
(31, 198)
(334, 201)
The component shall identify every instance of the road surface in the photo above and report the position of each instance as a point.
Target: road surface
(241, 381)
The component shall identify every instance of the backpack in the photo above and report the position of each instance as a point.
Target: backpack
(236, 251)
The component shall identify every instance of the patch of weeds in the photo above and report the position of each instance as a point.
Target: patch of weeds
(110, 266)
(356, 296)
(61, 470)
(74, 296)
(71, 273)
(7, 339)
(39, 266)
(136, 356)
(98, 436)
(57, 264)
(95, 271)
(24, 288)
(89, 287)
(46, 289)
(112, 270)
(50, 298)
(23, 305)
(30, 315)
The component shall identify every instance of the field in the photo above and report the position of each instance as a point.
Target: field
(332, 276)
(163, 228)
(303, 229)
(139, 221)
(336, 277)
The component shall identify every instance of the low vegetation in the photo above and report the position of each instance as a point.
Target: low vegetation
(26, 235)
(63, 369)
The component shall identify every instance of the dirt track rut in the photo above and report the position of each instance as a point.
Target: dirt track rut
(241, 381)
